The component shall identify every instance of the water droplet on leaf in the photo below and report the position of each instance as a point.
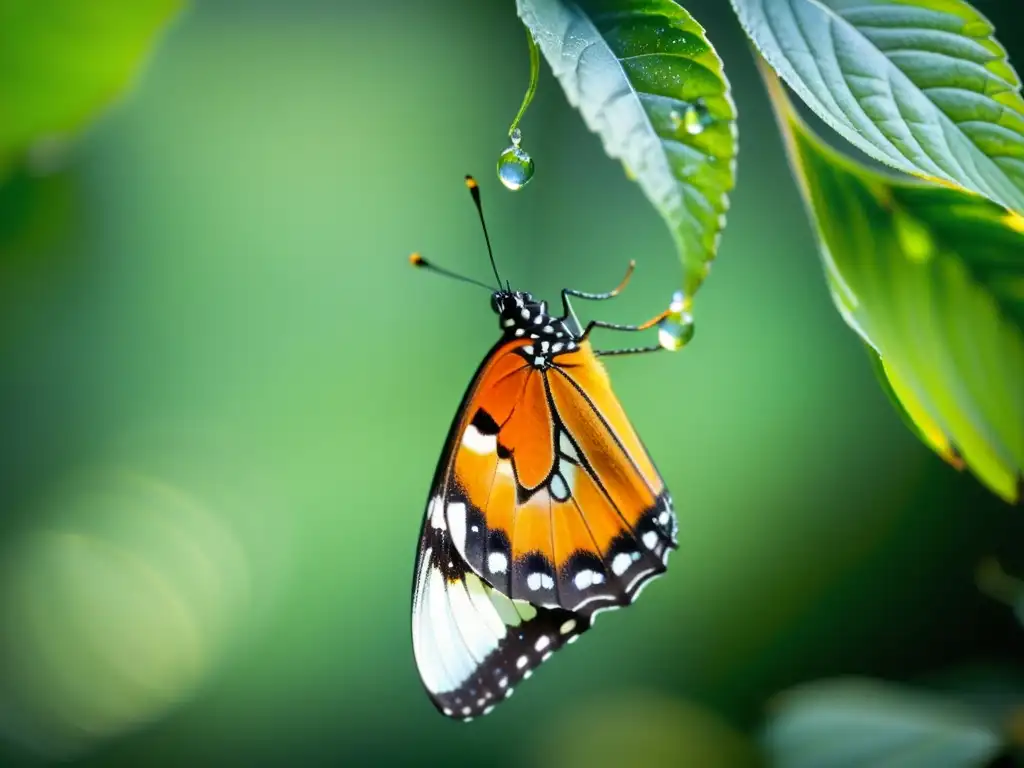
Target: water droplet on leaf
(696, 118)
(676, 329)
(515, 167)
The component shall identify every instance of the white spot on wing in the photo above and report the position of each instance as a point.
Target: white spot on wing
(478, 442)
(497, 562)
(436, 512)
(621, 563)
(457, 522)
(521, 662)
(567, 627)
(542, 642)
(568, 472)
(559, 491)
(566, 447)
(533, 580)
(587, 578)
(650, 539)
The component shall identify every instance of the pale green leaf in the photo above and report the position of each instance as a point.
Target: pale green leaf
(932, 278)
(646, 80)
(850, 723)
(62, 61)
(921, 85)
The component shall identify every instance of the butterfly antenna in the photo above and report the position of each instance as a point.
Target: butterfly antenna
(474, 190)
(418, 261)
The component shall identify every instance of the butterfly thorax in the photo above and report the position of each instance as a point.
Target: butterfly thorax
(520, 317)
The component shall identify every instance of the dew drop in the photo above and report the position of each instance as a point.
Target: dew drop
(515, 167)
(676, 329)
(696, 118)
(516, 136)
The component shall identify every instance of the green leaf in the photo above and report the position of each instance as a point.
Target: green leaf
(848, 723)
(921, 85)
(64, 60)
(932, 278)
(647, 81)
(919, 423)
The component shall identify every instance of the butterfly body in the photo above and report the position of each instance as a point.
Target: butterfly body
(545, 509)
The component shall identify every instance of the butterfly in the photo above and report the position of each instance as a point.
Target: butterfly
(544, 510)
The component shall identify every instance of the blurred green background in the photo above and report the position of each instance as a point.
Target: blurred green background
(224, 391)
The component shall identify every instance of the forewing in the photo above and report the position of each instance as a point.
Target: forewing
(551, 497)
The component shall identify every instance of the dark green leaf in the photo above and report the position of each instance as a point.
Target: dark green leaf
(919, 84)
(932, 279)
(64, 60)
(645, 78)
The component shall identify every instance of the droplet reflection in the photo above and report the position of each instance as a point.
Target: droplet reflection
(515, 167)
(694, 119)
(676, 329)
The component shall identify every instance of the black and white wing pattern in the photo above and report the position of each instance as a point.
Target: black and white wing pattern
(473, 644)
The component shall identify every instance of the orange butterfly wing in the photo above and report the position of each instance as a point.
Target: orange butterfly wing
(549, 494)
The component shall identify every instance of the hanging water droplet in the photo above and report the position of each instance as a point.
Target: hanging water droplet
(515, 167)
(516, 136)
(676, 329)
(696, 118)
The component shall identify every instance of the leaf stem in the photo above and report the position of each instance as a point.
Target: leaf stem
(534, 77)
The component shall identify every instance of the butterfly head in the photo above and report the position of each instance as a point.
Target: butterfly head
(516, 308)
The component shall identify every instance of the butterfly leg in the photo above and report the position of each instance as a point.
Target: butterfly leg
(629, 351)
(566, 293)
(568, 313)
(619, 327)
